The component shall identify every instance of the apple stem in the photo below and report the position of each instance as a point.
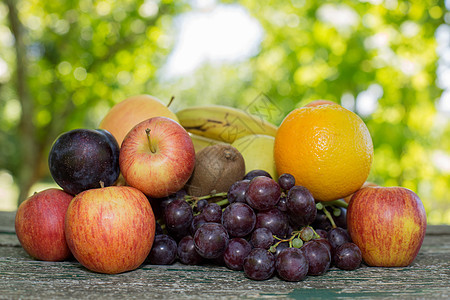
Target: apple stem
(102, 184)
(327, 213)
(170, 102)
(150, 146)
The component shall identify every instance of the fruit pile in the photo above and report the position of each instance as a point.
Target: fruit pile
(202, 187)
(262, 227)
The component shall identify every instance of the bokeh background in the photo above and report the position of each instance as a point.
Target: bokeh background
(64, 63)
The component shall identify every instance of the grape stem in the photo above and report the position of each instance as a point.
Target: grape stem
(327, 213)
(336, 203)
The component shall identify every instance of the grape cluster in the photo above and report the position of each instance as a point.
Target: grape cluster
(261, 226)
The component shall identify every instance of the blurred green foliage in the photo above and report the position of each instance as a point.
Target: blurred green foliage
(81, 57)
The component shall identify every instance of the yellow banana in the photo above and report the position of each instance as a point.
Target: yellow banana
(201, 142)
(223, 123)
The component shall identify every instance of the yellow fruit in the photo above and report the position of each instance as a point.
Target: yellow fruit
(320, 102)
(123, 116)
(257, 150)
(327, 148)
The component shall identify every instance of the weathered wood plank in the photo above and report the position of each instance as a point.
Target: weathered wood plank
(23, 277)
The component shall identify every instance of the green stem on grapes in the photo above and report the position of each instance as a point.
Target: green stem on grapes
(223, 202)
(150, 146)
(327, 213)
(337, 203)
(316, 235)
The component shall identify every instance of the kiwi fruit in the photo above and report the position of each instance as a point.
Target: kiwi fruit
(217, 167)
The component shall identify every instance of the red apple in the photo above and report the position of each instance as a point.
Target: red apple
(157, 157)
(40, 225)
(110, 230)
(388, 224)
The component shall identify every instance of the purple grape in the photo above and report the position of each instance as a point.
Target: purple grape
(259, 264)
(236, 192)
(280, 247)
(237, 250)
(211, 240)
(338, 236)
(212, 213)
(326, 243)
(262, 193)
(158, 229)
(255, 173)
(262, 238)
(201, 204)
(301, 206)
(319, 257)
(197, 221)
(282, 204)
(341, 220)
(186, 251)
(239, 219)
(322, 233)
(286, 181)
(178, 216)
(292, 265)
(274, 220)
(347, 257)
(321, 221)
(164, 250)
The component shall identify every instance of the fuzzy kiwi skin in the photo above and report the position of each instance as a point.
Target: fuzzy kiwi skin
(217, 167)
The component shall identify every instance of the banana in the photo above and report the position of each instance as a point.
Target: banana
(201, 142)
(223, 123)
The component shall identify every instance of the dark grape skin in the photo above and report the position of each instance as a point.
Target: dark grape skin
(262, 238)
(237, 250)
(318, 256)
(322, 233)
(212, 213)
(286, 181)
(158, 229)
(255, 173)
(200, 205)
(301, 206)
(262, 193)
(178, 216)
(282, 204)
(280, 247)
(292, 264)
(82, 158)
(211, 240)
(197, 221)
(338, 236)
(259, 264)
(347, 256)
(186, 252)
(164, 250)
(274, 220)
(326, 243)
(239, 219)
(236, 193)
(321, 221)
(341, 220)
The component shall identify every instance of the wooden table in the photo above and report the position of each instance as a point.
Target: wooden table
(23, 277)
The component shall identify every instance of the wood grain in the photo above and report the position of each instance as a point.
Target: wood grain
(23, 277)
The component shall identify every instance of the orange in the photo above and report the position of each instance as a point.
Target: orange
(320, 102)
(327, 148)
